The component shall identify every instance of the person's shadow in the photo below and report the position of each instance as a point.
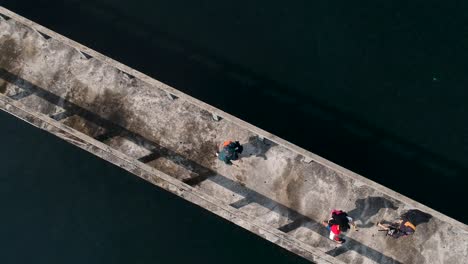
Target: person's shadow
(256, 147)
(368, 207)
(416, 217)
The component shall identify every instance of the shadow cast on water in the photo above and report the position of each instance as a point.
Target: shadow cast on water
(202, 173)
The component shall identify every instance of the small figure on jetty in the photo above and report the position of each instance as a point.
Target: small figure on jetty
(339, 222)
(400, 228)
(230, 150)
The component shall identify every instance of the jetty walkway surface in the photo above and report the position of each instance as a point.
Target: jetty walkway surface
(277, 190)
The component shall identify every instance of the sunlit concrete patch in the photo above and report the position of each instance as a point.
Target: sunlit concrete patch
(227, 191)
(170, 139)
(269, 213)
(128, 147)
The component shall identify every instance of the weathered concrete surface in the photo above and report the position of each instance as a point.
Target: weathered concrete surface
(278, 191)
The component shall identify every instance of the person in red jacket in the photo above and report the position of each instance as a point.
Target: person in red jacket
(339, 222)
(334, 232)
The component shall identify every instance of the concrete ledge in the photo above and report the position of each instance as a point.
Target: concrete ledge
(279, 191)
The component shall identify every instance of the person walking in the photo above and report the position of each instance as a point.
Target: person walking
(339, 222)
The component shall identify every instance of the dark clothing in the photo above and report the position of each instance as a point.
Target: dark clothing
(340, 218)
(230, 152)
(404, 229)
(394, 232)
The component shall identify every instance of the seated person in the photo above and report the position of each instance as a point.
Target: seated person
(402, 227)
(230, 151)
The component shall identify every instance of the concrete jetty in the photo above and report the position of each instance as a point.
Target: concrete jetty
(278, 191)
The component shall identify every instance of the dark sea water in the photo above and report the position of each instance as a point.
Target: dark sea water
(379, 87)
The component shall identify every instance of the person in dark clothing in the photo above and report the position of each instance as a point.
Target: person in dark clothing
(230, 151)
(402, 227)
(338, 222)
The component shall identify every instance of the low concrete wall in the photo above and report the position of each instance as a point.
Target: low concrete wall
(277, 190)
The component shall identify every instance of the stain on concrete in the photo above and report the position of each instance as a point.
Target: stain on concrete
(10, 53)
(3, 86)
(294, 186)
(8, 59)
